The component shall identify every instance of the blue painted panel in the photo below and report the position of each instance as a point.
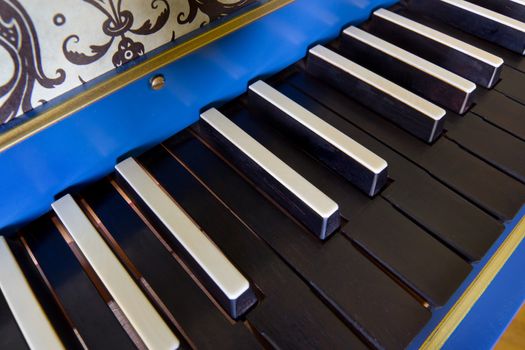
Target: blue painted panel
(87, 144)
(493, 312)
(490, 315)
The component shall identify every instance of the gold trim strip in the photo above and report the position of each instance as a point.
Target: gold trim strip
(457, 313)
(99, 91)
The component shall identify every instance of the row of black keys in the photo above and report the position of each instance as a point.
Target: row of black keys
(339, 271)
(403, 251)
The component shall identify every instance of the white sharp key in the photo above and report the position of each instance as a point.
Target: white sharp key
(303, 200)
(455, 55)
(355, 162)
(411, 112)
(511, 8)
(29, 315)
(426, 78)
(235, 294)
(477, 20)
(486, 13)
(148, 324)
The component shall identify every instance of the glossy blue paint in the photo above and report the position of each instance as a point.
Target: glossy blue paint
(490, 315)
(493, 312)
(86, 145)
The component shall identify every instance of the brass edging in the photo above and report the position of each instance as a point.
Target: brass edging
(99, 91)
(457, 313)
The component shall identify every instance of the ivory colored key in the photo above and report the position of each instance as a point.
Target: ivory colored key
(29, 315)
(356, 163)
(511, 8)
(408, 70)
(406, 109)
(302, 199)
(145, 320)
(478, 66)
(480, 21)
(222, 278)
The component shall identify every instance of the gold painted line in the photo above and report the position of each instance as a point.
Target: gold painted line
(55, 114)
(457, 313)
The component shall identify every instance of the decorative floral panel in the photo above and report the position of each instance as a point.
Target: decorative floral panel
(48, 47)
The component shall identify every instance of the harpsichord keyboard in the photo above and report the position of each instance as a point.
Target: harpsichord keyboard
(337, 204)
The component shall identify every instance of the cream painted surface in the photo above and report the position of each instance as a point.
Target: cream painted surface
(54, 21)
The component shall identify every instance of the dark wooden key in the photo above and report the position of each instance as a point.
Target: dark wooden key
(482, 184)
(432, 205)
(503, 112)
(509, 57)
(139, 310)
(363, 168)
(202, 322)
(504, 151)
(339, 273)
(487, 24)
(410, 71)
(32, 321)
(90, 314)
(304, 201)
(411, 112)
(510, 8)
(456, 222)
(424, 265)
(10, 335)
(47, 301)
(289, 316)
(426, 250)
(222, 279)
(511, 85)
(473, 63)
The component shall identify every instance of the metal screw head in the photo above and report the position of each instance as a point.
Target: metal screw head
(157, 82)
